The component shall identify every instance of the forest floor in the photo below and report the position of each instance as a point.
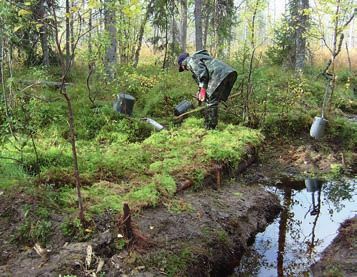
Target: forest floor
(199, 233)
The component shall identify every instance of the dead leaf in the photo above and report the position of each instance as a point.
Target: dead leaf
(100, 265)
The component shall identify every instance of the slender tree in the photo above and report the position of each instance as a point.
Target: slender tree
(341, 13)
(63, 90)
(207, 16)
(149, 11)
(43, 32)
(111, 44)
(198, 24)
(183, 31)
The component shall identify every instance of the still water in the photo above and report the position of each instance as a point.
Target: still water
(313, 211)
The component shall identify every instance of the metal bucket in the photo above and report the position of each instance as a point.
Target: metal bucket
(312, 185)
(124, 103)
(318, 127)
(183, 107)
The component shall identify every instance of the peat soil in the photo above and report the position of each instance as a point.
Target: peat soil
(198, 233)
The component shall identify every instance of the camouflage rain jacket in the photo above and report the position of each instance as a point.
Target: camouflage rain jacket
(209, 73)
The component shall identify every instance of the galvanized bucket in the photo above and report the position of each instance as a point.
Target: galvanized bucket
(124, 103)
(312, 185)
(183, 107)
(319, 125)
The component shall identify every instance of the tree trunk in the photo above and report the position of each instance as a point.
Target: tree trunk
(165, 65)
(43, 34)
(198, 24)
(72, 35)
(74, 152)
(2, 37)
(252, 43)
(64, 71)
(300, 40)
(68, 35)
(207, 16)
(336, 48)
(216, 33)
(90, 26)
(126, 219)
(183, 24)
(149, 11)
(111, 48)
(348, 58)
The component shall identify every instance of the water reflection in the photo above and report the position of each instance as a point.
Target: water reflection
(312, 213)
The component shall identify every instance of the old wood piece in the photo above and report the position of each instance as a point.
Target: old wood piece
(47, 83)
(244, 165)
(183, 185)
(217, 171)
(128, 228)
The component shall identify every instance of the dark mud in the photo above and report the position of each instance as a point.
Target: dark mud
(206, 239)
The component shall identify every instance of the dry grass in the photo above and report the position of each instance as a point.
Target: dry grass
(321, 55)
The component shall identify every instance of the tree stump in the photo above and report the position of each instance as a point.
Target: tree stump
(126, 219)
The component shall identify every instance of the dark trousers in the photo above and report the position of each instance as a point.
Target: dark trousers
(221, 93)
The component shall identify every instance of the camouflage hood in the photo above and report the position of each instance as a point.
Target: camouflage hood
(209, 72)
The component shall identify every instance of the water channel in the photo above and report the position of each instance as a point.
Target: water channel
(313, 211)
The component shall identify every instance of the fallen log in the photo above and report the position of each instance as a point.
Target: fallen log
(47, 83)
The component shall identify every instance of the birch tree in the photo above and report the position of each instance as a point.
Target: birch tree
(111, 39)
(332, 17)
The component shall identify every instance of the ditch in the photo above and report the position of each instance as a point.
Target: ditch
(313, 211)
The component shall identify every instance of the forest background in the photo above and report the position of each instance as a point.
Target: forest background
(64, 62)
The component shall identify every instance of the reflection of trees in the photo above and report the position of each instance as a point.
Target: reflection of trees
(251, 263)
(283, 230)
(337, 191)
(291, 230)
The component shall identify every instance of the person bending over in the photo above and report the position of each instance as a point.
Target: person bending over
(214, 78)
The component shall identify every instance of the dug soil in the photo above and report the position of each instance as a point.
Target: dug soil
(198, 233)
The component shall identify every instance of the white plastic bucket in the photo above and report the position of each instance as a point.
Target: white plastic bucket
(318, 127)
(153, 123)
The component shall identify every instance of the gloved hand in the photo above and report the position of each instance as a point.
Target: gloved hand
(202, 95)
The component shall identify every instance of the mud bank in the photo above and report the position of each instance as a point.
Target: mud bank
(221, 225)
(206, 239)
(340, 257)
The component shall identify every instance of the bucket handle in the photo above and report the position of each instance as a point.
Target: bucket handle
(329, 78)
